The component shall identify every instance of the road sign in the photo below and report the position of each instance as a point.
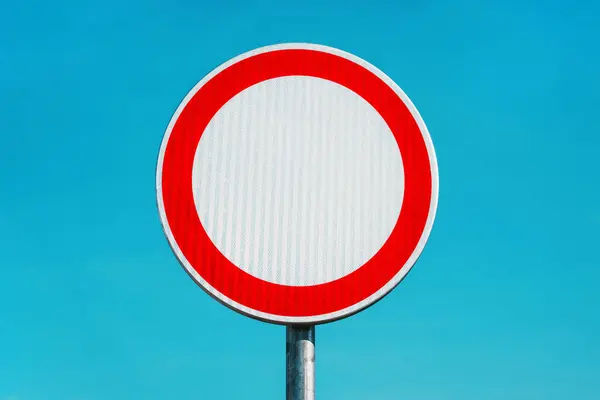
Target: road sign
(297, 184)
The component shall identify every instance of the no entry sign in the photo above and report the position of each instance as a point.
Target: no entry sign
(297, 184)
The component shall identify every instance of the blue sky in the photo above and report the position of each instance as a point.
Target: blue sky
(503, 304)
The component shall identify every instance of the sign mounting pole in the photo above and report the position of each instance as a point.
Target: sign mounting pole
(300, 362)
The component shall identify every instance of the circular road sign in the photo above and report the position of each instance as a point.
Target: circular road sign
(297, 184)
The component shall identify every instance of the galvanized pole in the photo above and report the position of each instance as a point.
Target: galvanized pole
(300, 363)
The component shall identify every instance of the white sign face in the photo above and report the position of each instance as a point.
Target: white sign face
(297, 184)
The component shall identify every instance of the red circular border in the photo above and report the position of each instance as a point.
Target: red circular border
(236, 284)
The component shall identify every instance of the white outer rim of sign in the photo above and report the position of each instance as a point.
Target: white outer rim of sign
(355, 308)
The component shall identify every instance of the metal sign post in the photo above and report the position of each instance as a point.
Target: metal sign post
(300, 363)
